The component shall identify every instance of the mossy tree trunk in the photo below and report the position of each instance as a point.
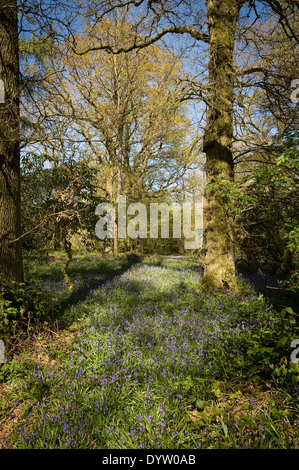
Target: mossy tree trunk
(11, 266)
(219, 244)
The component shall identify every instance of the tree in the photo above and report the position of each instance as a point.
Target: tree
(215, 24)
(125, 111)
(219, 243)
(263, 108)
(11, 264)
(156, 20)
(11, 267)
(270, 221)
(58, 198)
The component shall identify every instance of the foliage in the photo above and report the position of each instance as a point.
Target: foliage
(270, 219)
(22, 306)
(10, 371)
(157, 364)
(58, 196)
(156, 361)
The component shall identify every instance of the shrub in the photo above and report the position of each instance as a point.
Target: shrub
(22, 307)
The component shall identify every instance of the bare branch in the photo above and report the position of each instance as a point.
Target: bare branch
(140, 44)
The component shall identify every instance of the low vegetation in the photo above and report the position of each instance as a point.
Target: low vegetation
(137, 355)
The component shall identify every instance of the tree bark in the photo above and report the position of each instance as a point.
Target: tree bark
(69, 255)
(115, 239)
(119, 186)
(11, 266)
(219, 259)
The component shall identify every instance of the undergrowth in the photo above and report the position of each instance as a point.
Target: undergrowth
(140, 357)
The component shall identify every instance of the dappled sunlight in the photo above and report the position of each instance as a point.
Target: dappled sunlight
(154, 362)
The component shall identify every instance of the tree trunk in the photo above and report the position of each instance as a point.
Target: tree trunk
(11, 266)
(116, 245)
(115, 240)
(56, 244)
(219, 259)
(69, 255)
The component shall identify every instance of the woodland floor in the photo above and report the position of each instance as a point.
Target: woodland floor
(138, 356)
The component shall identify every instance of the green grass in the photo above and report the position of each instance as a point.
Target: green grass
(141, 358)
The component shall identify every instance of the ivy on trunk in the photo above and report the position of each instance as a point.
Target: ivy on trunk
(219, 259)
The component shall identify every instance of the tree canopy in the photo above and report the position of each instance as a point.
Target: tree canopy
(144, 92)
